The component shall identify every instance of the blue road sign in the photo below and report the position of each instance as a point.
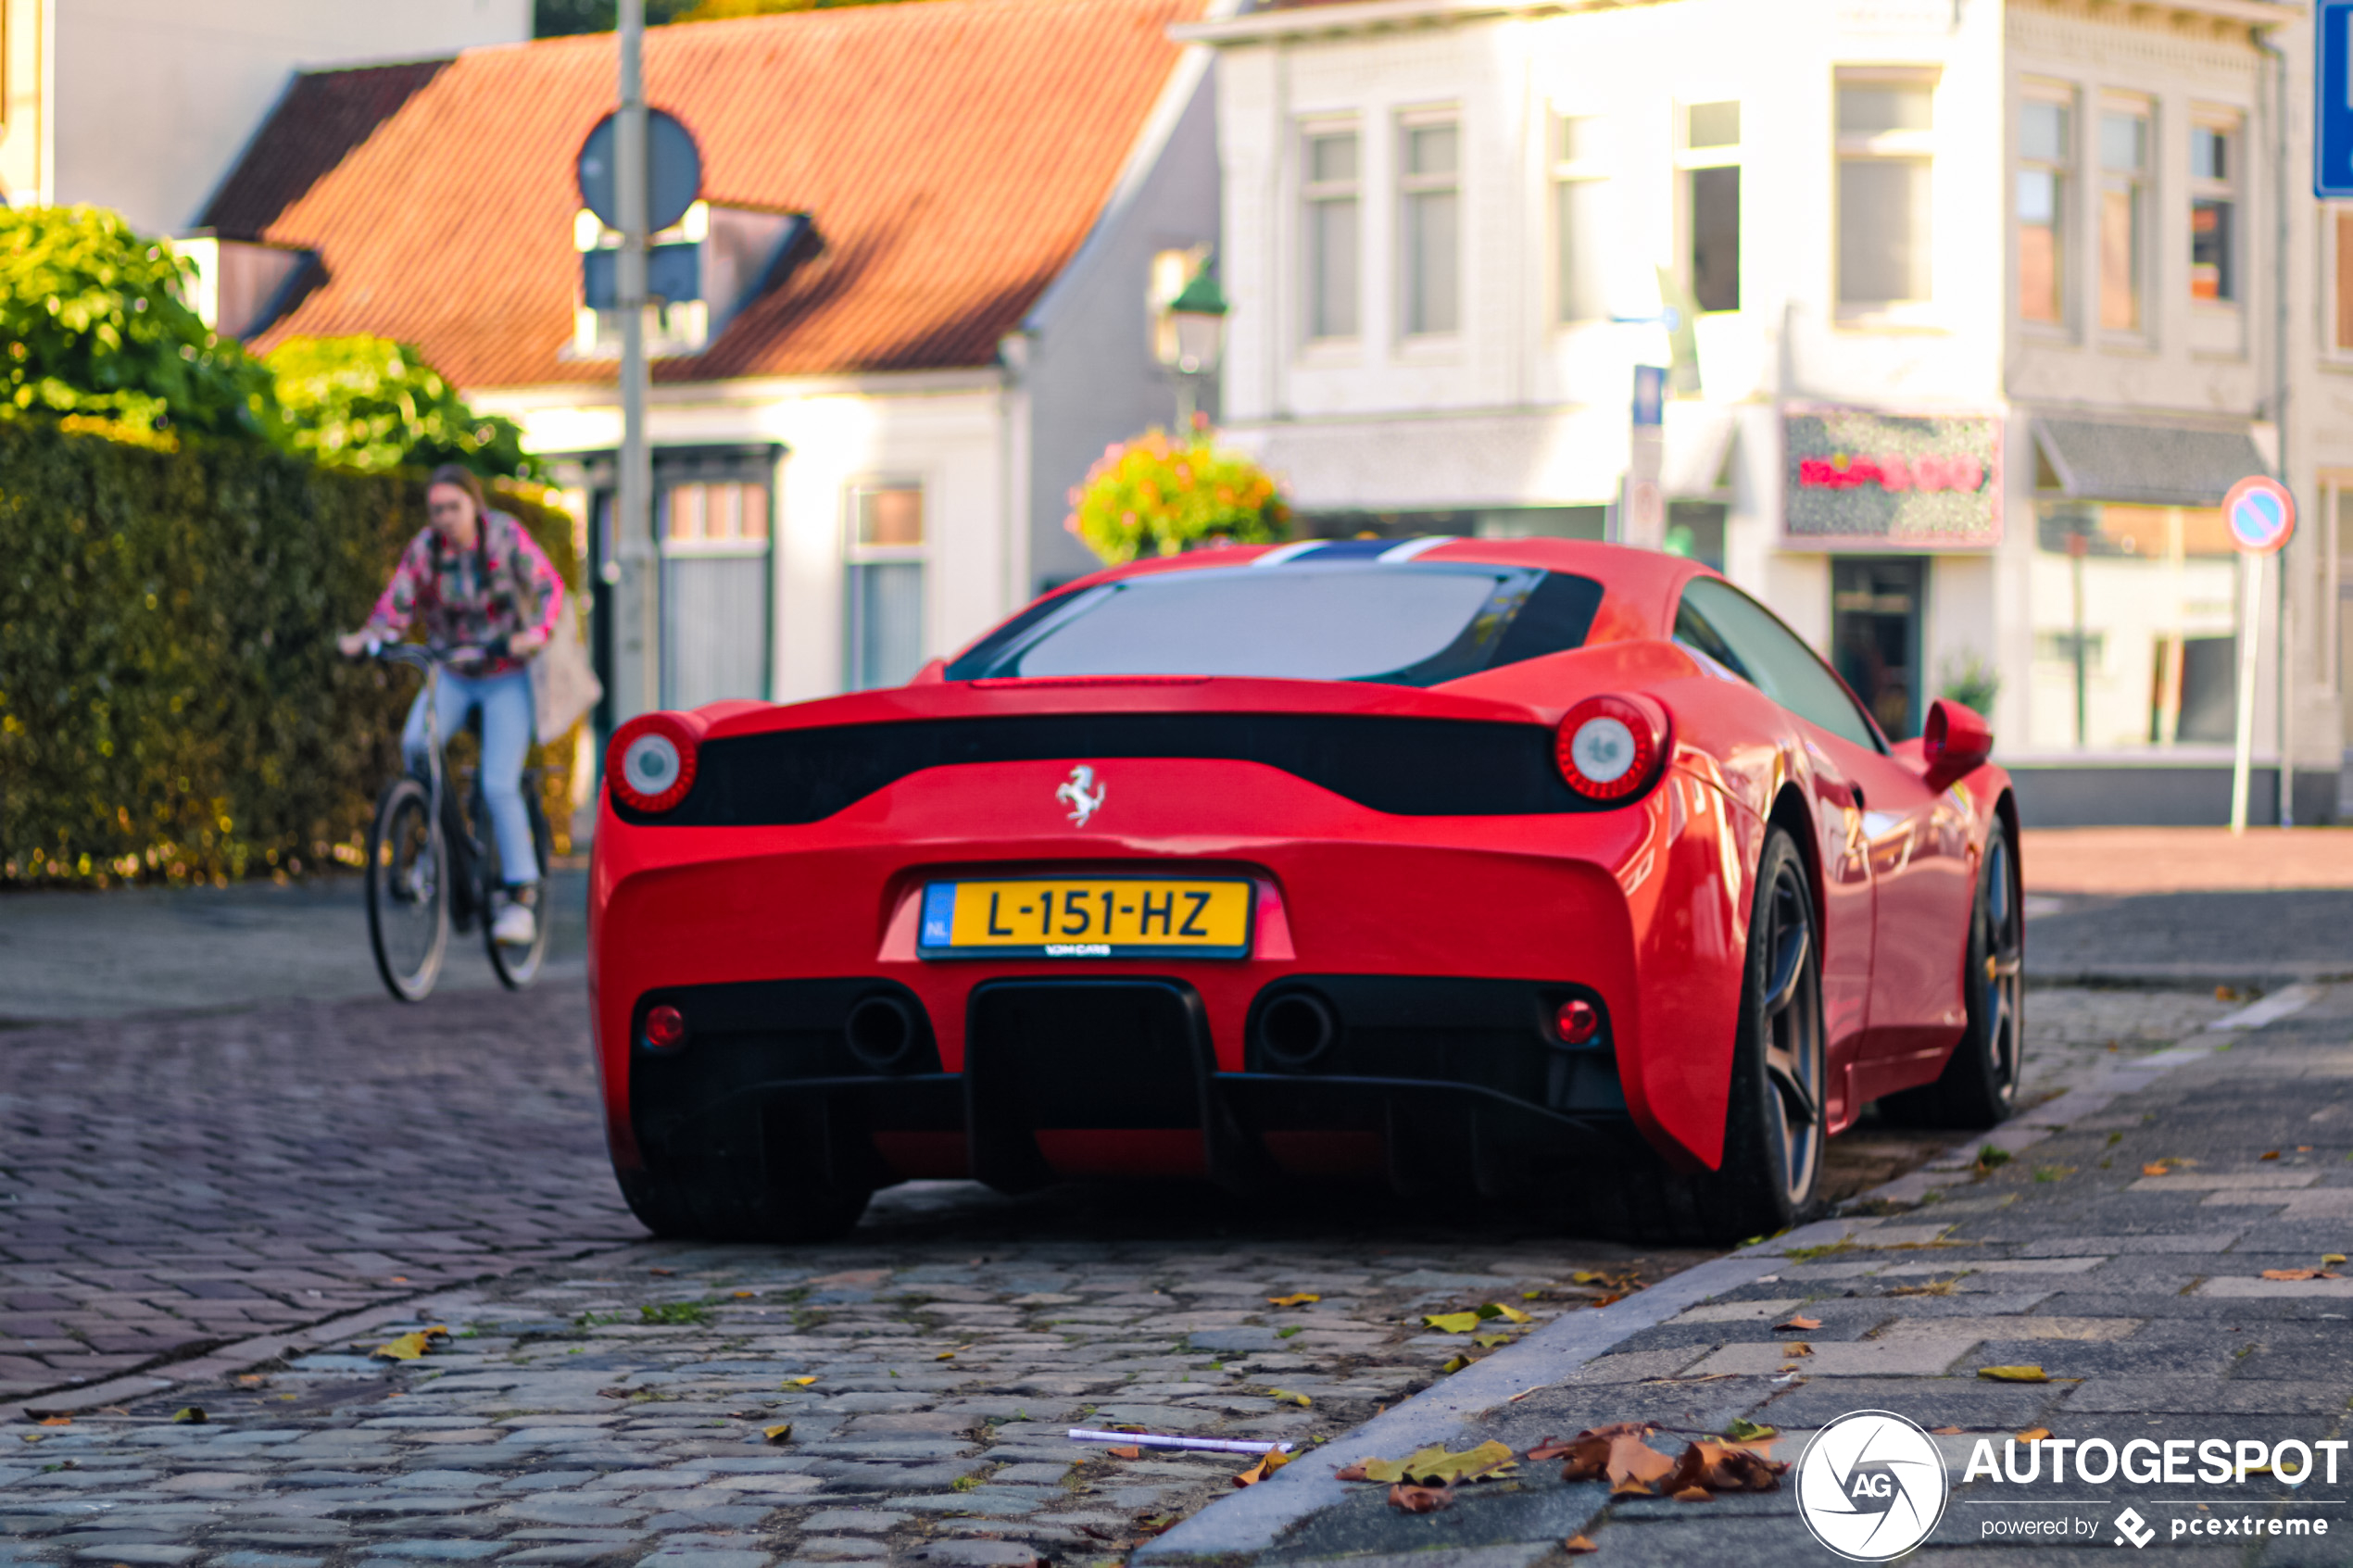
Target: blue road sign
(1650, 394)
(2333, 99)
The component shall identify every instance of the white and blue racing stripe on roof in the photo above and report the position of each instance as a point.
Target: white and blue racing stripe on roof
(1323, 552)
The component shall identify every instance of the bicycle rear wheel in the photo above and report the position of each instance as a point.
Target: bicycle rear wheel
(407, 891)
(517, 964)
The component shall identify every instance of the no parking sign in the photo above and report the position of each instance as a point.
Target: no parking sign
(2261, 514)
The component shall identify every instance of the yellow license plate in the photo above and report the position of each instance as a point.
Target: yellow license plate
(1087, 918)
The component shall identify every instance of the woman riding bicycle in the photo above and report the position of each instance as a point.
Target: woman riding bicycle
(481, 586)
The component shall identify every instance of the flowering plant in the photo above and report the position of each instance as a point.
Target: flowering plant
(1159, 494)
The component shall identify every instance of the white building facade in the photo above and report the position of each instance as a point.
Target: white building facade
(1972, 309)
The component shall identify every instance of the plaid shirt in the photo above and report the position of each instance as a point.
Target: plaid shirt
(467, 597)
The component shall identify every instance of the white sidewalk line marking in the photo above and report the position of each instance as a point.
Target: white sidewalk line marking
(2270, 1010)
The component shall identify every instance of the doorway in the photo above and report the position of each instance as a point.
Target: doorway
(1876, 605)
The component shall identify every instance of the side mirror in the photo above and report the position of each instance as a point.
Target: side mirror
(1955, 743)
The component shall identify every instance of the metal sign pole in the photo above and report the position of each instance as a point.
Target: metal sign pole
(2250, 622)
(633, 525)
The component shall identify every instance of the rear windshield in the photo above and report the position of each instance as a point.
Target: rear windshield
(1411, 624)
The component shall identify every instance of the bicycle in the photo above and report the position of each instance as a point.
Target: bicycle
(427, 868)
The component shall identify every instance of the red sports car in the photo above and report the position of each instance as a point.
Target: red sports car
(1542, 867)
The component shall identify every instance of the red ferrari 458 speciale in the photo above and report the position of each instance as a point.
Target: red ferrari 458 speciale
(1549, 869)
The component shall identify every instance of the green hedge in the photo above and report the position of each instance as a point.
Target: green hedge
(171, 707)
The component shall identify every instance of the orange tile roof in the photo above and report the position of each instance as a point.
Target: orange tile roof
(953, 154)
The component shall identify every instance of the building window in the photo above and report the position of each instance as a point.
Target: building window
(1711, 159)
(2045, 153)
(1429, 206)
(1886, 162)
(714, 592)
(1331, 220)
(722, 516)
(1580, 222)
(2134, 613)
(886, 585)
(2214, 158)
(2339, 230)
(2124, 168)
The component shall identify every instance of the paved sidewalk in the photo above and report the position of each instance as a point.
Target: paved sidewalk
(2139, 1297)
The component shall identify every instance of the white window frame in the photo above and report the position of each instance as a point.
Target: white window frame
(1689, 159)
(1892, 147)
(1409, 185)
(855, 555)
(2068, 204)
(1313, 192)
(1593, 167)
(2145, 236)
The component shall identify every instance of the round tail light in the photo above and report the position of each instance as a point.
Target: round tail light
(651, 761)
(665, 1028)
(1579, 1022)
(1612, 748)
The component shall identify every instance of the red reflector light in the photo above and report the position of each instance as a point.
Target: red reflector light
(1579, 1021)
(1612, 748)
(650, 763)
(665, 1028)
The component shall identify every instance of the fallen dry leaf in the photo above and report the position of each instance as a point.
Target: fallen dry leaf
(1299, 1301)
(1600, 1301)
(1455, 1364)
(1289, 1397)
(1800, 1348)
(1420, 1499)
(1127, 1451)
(1948, 1431)
(741, 1295)
(2014, 1374)
(1488, 1341)
(409, 1347)
(1454, 1322)
(2299, 1274)
(189, 1416)
(1435, 1464)
(663, 1273)
(1799, 1325)
(1692, 1494)
(2332, 1257)
(2158, 1169)
(2033, 1434)
(798, 1382)
(1724, 1467)
(1744, 1430)
(781, 1432)
(1618, 1454)
(2268, 1154)
(1508, 1312)
(1577, 1546)
(1268, 1462)
(252, 1380)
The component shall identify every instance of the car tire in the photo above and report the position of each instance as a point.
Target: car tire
(1979, 1085)
(716, 1204)
(1773, 1122)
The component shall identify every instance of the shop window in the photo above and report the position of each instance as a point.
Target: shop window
(1582, 228)
(2135, 620)
(715, 592)
(1886, 168)
(2124, 162)
(885, 583)
(1330, 223)
(2214, 160)
(2046, 152)
(1429, 210)
(1711, 160)
(1875, 634)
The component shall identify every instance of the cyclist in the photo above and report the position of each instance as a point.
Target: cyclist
(481, 586)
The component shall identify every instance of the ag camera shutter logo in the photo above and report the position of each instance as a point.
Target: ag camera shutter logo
(1872, 1485)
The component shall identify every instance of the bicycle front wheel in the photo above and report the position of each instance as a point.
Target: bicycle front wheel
(407, 891)
(517, 964)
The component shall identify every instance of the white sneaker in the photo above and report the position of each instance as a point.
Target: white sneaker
(515, 927)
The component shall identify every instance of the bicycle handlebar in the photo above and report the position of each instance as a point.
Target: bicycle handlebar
(424, 657)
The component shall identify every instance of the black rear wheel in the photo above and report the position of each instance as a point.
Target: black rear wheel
(407, 891)
(517, 964)
(1979, 1085)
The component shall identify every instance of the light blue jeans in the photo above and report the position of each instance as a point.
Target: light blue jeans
(507, 722)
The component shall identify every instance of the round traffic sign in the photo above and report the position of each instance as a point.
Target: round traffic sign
(2261, 514)
(674, 167)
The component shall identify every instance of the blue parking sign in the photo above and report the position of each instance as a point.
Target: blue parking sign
(2333, 100)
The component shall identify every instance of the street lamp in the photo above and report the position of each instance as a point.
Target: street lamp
(1197, 339)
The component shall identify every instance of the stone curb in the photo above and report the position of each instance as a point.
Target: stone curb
(1251, 1521)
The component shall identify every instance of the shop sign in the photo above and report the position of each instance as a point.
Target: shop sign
(1859, 478)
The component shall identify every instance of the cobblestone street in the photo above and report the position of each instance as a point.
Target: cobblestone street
(232, 1211)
